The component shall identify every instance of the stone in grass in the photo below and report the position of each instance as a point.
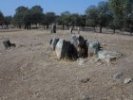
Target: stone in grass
(7, 44)
(117, 76)
(53, 42)
(108, 56)
(85, 97)
(127, 80)
(85, 80)
(64, 49)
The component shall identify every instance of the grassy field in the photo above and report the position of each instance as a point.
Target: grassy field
(31, 71)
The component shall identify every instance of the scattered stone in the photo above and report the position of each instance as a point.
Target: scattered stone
(53, 43)
(117, 76)
(64, 49)
(85, 98)
(108, 56)
(127, 80)
(85, 80)
(7, 44)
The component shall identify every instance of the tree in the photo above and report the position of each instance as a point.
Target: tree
(8, 20)
(50, 18)
(117, 8)
(21, 13)
(37, 15)
(103, 14)
(65, 19)
(92, 16)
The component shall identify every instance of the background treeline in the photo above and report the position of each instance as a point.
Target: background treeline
(113, 14)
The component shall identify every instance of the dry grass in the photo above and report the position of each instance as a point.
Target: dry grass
(31, 71)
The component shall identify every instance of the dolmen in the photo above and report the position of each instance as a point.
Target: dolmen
(78, 47)
(7, 44)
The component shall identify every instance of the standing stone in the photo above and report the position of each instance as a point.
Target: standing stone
(64, 49)
(80, 44)
(78, 30)
(71, 29)
(53, 28)
(93, 47)
(53, 43)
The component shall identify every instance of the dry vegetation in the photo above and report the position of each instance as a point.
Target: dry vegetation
(31, 71)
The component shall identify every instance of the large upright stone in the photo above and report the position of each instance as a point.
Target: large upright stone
(93, 47)
(53, 42)
(64, 49)
(80, 44)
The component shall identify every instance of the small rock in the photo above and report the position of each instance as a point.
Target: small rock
(117, 76)
(85, 98)
(127, 80)
(85, 80)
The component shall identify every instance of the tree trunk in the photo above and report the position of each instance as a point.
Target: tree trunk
(100, 30)
(63, 26)
(114, 30)
(47, 26)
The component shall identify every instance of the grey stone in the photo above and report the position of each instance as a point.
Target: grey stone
(106, 55)
(53, 43)
(117, 76)
(80, 44)
(85, 80)
(53, 28)
(127, 80)
(64, 49)
(7, 44)
(93, 47)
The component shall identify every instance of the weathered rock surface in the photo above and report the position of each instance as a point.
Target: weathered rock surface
(64, 49)
(108, 56)
(127, 80)
(80, 44)
(53, 42)
(93, 47)
(53, 28)
(7, 44)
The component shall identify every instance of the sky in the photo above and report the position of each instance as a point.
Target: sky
(7, 7)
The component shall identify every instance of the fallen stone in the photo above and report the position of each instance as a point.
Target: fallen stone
(108, 56)
(127, 80)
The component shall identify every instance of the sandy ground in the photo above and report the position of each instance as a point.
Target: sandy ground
(31, 71)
